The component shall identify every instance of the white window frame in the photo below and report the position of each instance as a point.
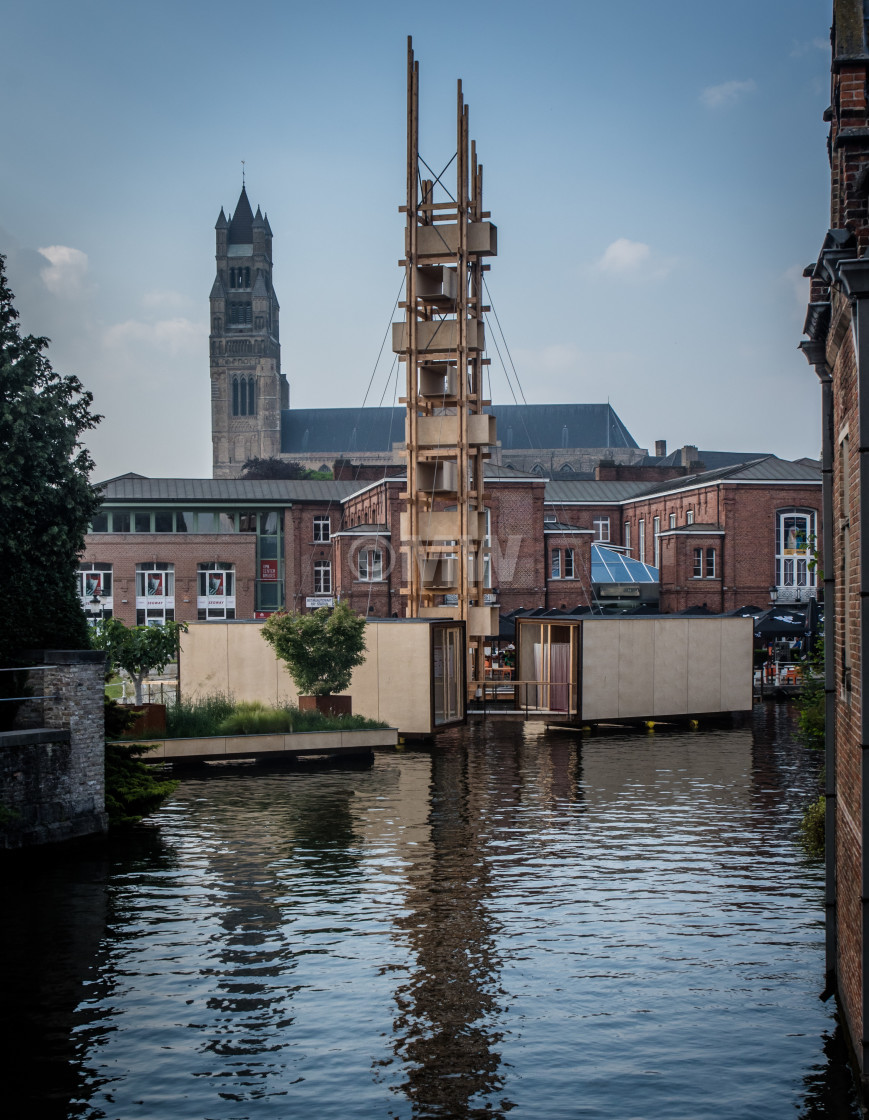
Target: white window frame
(322, 529)
(698, 564)
(641, 540)
(601, 526)
(672, 520)
(370, 565)
(656, 541)
(689, 516)
(569, 569)
(322, 577)
(628, 535)
(555, 563)
(711, 554)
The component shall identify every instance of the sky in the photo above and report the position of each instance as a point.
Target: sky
(657, 173)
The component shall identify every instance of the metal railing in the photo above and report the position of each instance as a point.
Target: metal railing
(29, 669)
(524, 699)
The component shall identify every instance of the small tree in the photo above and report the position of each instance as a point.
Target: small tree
(138, 650)
(46, 500)
(320, 649)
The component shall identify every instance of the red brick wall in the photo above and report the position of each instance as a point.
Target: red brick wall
(185, 550)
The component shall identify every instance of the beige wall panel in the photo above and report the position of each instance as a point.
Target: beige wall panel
(404, 676)
(600, 670)
(636, 668)
(737, 657)
(704, 665)
(671, 666)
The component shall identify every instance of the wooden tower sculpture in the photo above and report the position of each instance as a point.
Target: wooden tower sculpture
(441, 341)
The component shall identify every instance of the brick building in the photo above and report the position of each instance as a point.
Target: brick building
(837, 325)
(199, 549)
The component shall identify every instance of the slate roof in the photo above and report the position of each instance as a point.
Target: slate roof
(521, 427)
(712, 460)
(588, 490)
(241, 224)
(134, 488)
(768, 469)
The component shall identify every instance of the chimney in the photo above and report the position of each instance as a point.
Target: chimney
(690, 455)
(661, 448)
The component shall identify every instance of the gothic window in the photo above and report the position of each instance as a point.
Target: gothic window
(243, 397)
(251, 400)
(235, 396)
(239, 278)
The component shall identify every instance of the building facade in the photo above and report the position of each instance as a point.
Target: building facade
(201, 549)
(837, 326)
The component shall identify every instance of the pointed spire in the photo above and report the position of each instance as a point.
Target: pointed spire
(221, 222)
(241, 225)
(258, 219)
(268, 227)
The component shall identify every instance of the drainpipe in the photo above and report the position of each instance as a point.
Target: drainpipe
(854, 276)
(815, 353)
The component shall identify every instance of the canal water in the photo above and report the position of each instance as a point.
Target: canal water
(513, 922)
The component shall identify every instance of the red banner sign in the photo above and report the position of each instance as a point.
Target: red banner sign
(268, 569)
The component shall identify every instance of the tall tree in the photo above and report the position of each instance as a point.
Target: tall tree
(46, 500)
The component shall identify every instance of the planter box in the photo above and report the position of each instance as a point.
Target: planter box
(327, 705)
(153, 718)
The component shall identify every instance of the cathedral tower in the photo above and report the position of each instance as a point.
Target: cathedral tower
(248, 390)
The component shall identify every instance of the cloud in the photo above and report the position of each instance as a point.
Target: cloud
(624, 257)
(728, 93)
(67, 269)
(169, 336)
(165, 299)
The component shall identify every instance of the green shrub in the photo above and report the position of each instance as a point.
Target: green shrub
(217, 714)
(191, 719)
(812, 827)
(133, 790)
(254, 718)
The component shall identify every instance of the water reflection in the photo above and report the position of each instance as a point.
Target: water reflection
(515, 922)
(446, 1031)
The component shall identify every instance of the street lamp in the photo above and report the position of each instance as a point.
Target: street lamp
(773, 595)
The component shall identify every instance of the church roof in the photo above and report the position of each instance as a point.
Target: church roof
(241, 226)
(521, 427)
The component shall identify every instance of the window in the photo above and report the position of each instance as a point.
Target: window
(601, 528)
(689, 517)
(628, 535)
(240, 314)
(163, 522)
(322, 530)
(142, 522)
(656, 541)
(794, 539)
(672, 520)
(100, 523)
(239, 278)
(322, 577)
(155, 593)
(216, 590)
(710, 563)
(243, 396)
(155, 580)
(562, 564)
(371, 565)
(120, 521)
(94, 582)
(641, 534)
(698, 563)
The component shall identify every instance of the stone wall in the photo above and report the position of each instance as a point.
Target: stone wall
(52, 776)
